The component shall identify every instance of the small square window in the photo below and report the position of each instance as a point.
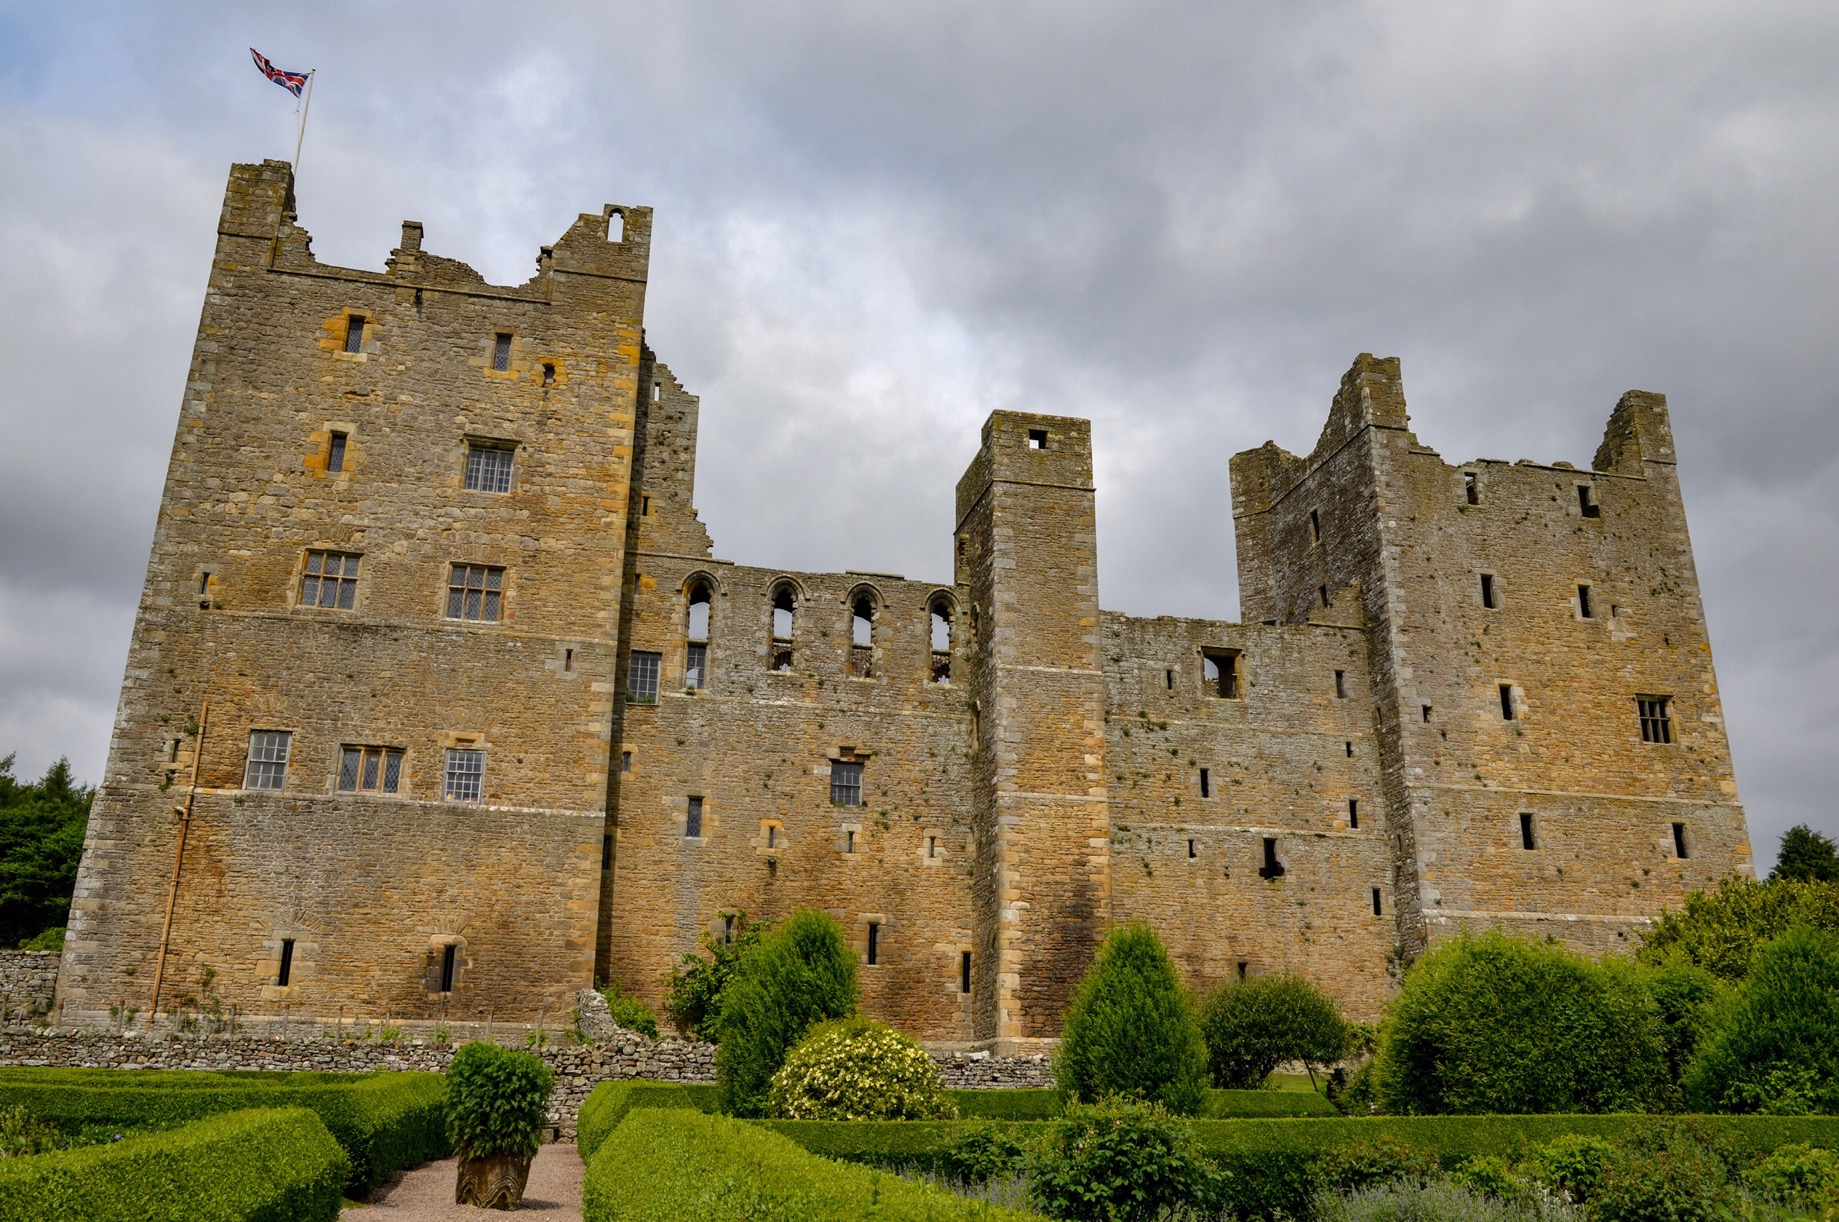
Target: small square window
(501, 352)
(475, 592)
(642, 678)
(845, 783)
(1656, 718)
(1220, 673)
(354, 334)
(488, 467)
(335, 454)
(330, 580)
(370, 770)
(464, 777)
(266, 767)
(1037, 439)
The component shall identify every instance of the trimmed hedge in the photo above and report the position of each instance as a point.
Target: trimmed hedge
(607, 1104)
(385, 1121)
(682, 1166)
(1247, 1104)
(1039, 1104)
(265, 1165)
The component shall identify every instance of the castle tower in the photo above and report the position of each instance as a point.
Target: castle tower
(360, 759)
(1027, 550)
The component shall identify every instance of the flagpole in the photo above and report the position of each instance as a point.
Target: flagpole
(305, 109)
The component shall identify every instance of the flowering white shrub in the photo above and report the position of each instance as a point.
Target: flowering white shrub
(853, 1069)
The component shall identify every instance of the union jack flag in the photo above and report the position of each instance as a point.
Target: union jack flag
(293, 82)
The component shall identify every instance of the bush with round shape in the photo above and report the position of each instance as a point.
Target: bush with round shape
(1800, 1177)
(1573, 1164)
(1118, 1161)
(854, 1069)
(1773, 1046)
(1131, 1029)
(1493, 1023)
(801, 974)
(1254, 1025)
(497, 1113)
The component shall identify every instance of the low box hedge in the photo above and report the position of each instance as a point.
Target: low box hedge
(607, 1104)
(1232, 1104)
(385, 1121)
(264, 1165)
(678, 1165)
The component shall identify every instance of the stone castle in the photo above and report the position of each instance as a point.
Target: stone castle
(439, 704)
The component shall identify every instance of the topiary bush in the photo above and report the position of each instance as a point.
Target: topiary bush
(1493, 1023)
(801, 974)
(497, 1101)
(1118, 1161)
(1252, 1026)
(1131, 1029)
(1774, 1045)
(854, 1069)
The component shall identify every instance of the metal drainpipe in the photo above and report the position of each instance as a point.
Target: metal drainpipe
(178, 863)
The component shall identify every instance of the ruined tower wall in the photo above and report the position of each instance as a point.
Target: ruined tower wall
(370, 887)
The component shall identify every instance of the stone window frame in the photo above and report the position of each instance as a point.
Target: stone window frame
(485, 477)
(460, 781)
(1654, 714)
(486, 589)
(342, 326)
(941, 660)
(315, 566)
(1229, 667)
(788, 644)
(646, 664)
(861, 657)
(385, 756)
(276, 751)
(706, 580)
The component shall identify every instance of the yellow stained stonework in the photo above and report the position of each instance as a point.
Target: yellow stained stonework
(976, 776)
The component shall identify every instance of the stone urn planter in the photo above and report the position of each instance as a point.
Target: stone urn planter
(492, 1181)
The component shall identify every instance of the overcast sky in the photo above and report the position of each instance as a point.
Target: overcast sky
(876, 223)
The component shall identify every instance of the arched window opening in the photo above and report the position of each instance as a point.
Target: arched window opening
(862, 637)
(783, 610)
(941, 642)
(696, 654)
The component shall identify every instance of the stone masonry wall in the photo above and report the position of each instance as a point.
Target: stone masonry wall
(28, 985)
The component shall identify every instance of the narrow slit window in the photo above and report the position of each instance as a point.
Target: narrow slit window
(287, 963)
(784, 621)
(964, 971)
(1244, 969)
(1586, 502)
(1315, 526)
(1487, 591)
(1471, 490)
(606, 852)
(1220, 673)
(1350, 750)
(1272, 868)
(568, 661)
(1168, 679)
(1340, 685)
(644, 507)
(1656, 718)
(449, 953)
(501, 352)
(354, 334)
(849, 841)
(727, 928)
(692, 822)
(1377, 909)
(845, 783)
(1529, 839)
(1425, 711)
(625, 761)
(335, 454)
(204, 591)
(1353, 814)
(696, 633)
(874, 943)
(1584, 610)
(1506, 701)
(932, 846)
(772, 835)
(1679, 841)
(941, 642)
(1191, 851)
(1322, 593)
(1206, 783)
(475, 592)
(862, 638)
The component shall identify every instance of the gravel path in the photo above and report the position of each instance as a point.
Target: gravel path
(426, 1193)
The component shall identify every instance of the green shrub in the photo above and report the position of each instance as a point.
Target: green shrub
(1018, 1104)
(384, 1121)
(1447, 1200)
(694, 1001)
(629, 1012)
(1130, 1029)
(1254, 1025)
(854, 1069)
(1669, 1171)
(1117, 1161)
(23, 1133)
(1774, 1045)
(497, 1100)
(681, 1166)
(1684, 997)
(799, 975)
(607, 1104)
(982, 1152)
(1382, 1160)
(1799, 1177)
(50, 939)
(1722, 930)
(1493, 1023)
(1573, 1164)
(274, 1165)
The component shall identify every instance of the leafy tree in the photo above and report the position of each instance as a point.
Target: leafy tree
(41, 841)
(1721, 930)
(1131, 1028)
(1493, 1023)
(1806, 857)
(799, 975)
(694, 1002)
(1774, 1046)
(1254, 1025)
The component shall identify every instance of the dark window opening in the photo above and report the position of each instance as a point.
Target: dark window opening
(783, 613)
(448, 955)
(1220, 673)
(964, 972)
(1471, 491)
(1315, 526)
(845, 783)
(1350, 751)
(625, 761)
(1191, 852)
(1323, 592)
(1037, 439)
(727, 928)
(1340, 685)
(1583, 603)
(335, 454)
(1528, 840)
(874, 943)
(849, 841)
(1206, 784)
(1656, 719)
(606, 852)
(1377, 910)
(568, 660)
(549, 374)
(692, 823)
(287, 962)
(1506, 702)
(862, 638)
(644, 507)
(1168, 679)
(932, 846)
(501, 352)
(1272, 868)
(204, 591)
(1353, 814)
(1243, 967)
(1487, 590)
(772, 835)
(1679, 841)
(1586, 502)
(354, 333)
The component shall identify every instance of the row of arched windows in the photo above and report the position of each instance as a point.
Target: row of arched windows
(782, 646)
